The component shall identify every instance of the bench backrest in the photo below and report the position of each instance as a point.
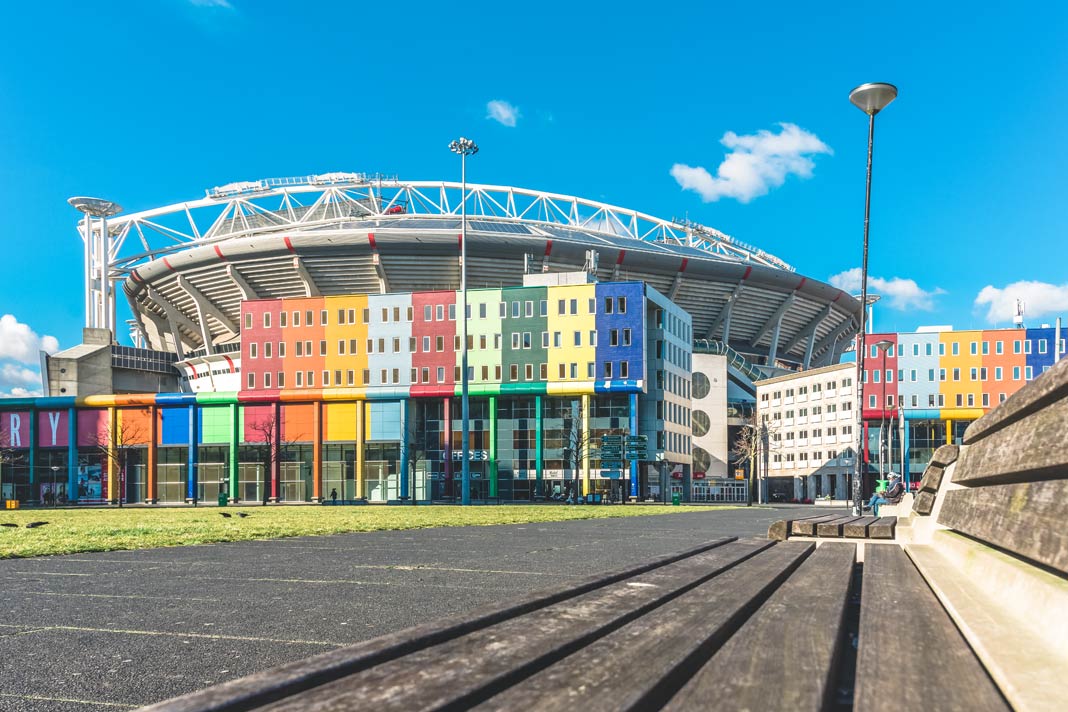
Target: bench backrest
(1007, 485)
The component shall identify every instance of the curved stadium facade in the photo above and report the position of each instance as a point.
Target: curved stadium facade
(312, 326)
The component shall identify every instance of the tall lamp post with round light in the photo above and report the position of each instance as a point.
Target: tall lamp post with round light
(884, 346)
(871, 99)
(465, 147)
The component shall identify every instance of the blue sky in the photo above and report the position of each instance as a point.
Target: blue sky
(151, 102)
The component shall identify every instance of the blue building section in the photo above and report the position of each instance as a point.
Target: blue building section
(1042, 349)
(620, 332)
(174, 426)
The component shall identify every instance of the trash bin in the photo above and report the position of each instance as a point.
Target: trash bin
(222, 499)
(675, 499)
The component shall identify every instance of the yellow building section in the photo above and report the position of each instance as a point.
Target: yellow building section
(340, 419)
(567, 329)
(346, 341)
(958, 363)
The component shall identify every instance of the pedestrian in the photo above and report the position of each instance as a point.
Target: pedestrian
(333, 496)
(892, 495)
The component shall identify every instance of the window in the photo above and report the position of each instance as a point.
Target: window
(383, 377)
(502, 311)
(871, 401)
(956, 348)
(982, 373)
(396, 345)
(563, 371)
(266, 320)
(413, 344)
(941, 374)
(251, 376)
(624, 369)
(266, 349)
(543, 371)
(515, 312)
(282, 318)
(975, 348)
(607, 369)
(452, 312)
(889, 376)
(1027, 346)
(593, 337)
(578, 338)
(340, 347)
(960, 400)
(515, 340)
(456, 343)
(973, 374)
(613, 337)
(1016, 347)
(482, 342)
(300, 374)
(322, 347)
(915, 349)
(889, 401)
(482, 311)
(1042, 346)
(941, 349)
(441, 374)
(428, 312)
(252, 350)
(999, 347)
(497, 372)
(528, 309)
(526, 340)
(513, 372)
(986, 348)
(1028, 372)
(426, 344)
(574, 370)
(556, 339)
(424, 375)
(396, 375)
(608, 303)
(1016, 373)
(545, 339)
(574, 306)
(439, 312)
(986, 400)
(439, 343)
(626, 337)
(621, 305)
(956, 374)
(248, 321)
(366, 316)
(529, 371)
(915, 400)
(875, 376)
(592, 306)
(912, 375)
(930, 375)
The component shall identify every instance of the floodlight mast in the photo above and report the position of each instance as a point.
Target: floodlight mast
(100, 300)
(464, 147)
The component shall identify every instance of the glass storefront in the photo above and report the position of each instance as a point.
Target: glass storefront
(295, 473)
(213, 472)
(381, 469)
(517, 448)
(171, 466)
(339, 471)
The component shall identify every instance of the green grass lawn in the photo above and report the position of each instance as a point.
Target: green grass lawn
(71, 531)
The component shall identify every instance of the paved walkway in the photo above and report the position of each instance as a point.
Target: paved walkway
(122, 629)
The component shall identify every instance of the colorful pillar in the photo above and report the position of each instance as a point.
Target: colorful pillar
(114, 495)
(34, 415)
(633, 429)
(276, 448)
(539, 453)
(235, 438)
(153, 453)
(359, 447)
(72, 448)
(192, 457)
(585, 440)
(404, 444)
(492, 446)
(448, 444)
(949, 431)
(905, 452)
(317, 451)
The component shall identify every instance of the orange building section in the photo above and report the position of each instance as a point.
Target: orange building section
(298, 423)
(304, 336)
(999, 384)
(134, 426)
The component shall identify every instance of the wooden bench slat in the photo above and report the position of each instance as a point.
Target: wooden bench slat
(261, 688)
(858, 528)
(780, 530)
(882, 528)
(833, 528)
(807, 527)
(658, 648)
(910, 655)
(1028, 450)
(472, 668)
(1049, 387)
(784, 657)
(1027, 518)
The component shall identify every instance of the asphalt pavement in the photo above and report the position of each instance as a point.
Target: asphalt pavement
(118, 630)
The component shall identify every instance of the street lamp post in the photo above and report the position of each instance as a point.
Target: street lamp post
(55, 496)
(871, 99)
(883, 346)
(465, 147)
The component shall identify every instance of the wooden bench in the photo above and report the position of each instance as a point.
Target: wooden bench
(965, 609)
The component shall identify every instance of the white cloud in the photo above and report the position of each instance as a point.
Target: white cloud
(224, 4)
(756, 164)
(1039, 298)
(19, 342)
(502, 112)
(20, 393)
(898, 293)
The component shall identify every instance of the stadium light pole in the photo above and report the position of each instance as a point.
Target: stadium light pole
(465, 147)
(884, 346)
(103, 209)
(871, 99)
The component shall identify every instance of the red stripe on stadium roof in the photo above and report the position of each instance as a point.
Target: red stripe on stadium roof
(289, 245)
(685, 261)
(231, 362)
(802, 284)
(220, 254)
(548, 248)
(371, 239)
(168, 263)
(748, 271)
(619, 260)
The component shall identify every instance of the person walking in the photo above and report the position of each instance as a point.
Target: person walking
(333, 496)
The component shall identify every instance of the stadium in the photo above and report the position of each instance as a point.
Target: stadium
(709, 314)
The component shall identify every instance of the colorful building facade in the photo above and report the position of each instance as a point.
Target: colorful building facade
(358, 397)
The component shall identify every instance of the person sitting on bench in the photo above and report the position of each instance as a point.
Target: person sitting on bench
(892, 495)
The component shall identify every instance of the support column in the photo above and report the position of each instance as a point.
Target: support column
(405, 460)
(235, 438)
(448, 445)
(317, 451)
(276, 448)
(34, 416)
(586, 446)
(539, 453)
(634, 431)
(492, 468)
(72, 447)
(949, 431)
(153, 455)
(114, 495)
(192, 458)
(359, 447)
(906, 473)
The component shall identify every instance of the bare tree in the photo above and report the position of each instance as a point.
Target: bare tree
(114, 445)
(576, 445)
(756, 440)
(266, 428)
(10, 456)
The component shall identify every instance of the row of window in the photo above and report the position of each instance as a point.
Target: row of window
(975, 374)
(516, 372)
(815, 410)
(937, 400)
(817, 455)
(816, 433)
(518, 309)
(975, 347)
(520, 340)
(829, 386)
